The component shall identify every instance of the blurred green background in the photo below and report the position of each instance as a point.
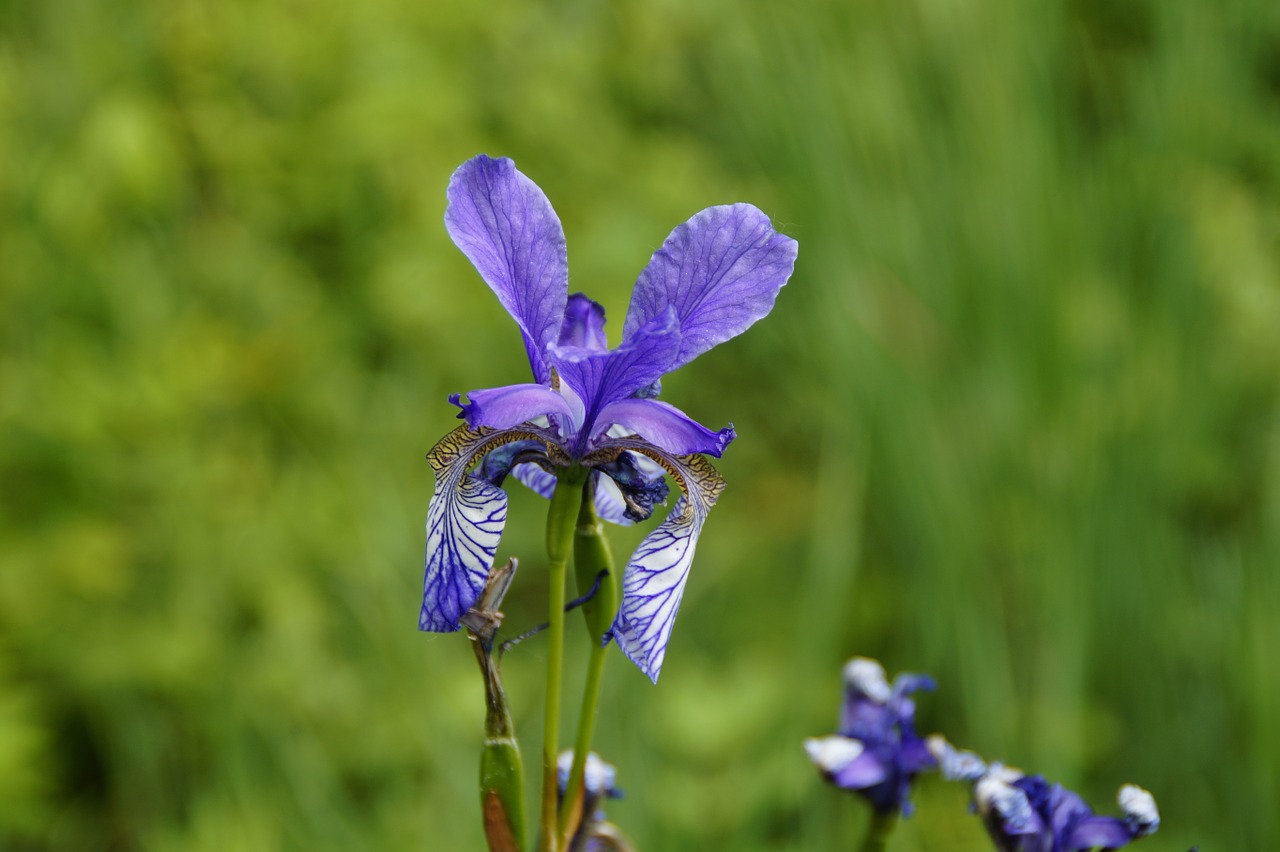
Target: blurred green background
(1014, 421)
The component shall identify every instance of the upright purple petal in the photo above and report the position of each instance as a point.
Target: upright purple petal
(583, 324)
(506, 226)
(721, 271)
(464, 524)
(665, 426)
(601, 377)
(653, 581)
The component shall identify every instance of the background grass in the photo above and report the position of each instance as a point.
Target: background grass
(1014, 421)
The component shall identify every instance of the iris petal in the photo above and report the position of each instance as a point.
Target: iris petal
(1097, 831)
(867, 770)
(720, 271)
(641, 484)
(510, 405)
(464, 524)
(653, 581)
(666, 426)
(506, 226)
(541, 482)
(583, 324)
(603, 376)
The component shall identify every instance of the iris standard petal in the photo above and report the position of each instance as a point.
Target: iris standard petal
(721, 271)
(464, 524)
(601, 377)
(665, 426)
(510, 405)
(506, 226)
(583, 324)
(653, 581)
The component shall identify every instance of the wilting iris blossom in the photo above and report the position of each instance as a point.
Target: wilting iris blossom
(591, 406)
(1025, 813)
(877, 752)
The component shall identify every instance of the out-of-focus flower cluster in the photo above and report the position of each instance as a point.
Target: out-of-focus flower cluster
(877, 754)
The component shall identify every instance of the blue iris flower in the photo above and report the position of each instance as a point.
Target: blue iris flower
(588, 405)
(877, 752)
(1025, 813)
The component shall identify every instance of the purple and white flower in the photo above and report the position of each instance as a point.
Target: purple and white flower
(1025, 813)
(591, 406)
(877, 752)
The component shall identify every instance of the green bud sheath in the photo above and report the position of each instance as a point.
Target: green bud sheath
(591, 555)
(501, 769)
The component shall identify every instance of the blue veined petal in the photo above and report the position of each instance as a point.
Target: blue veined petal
(464, 524)
(506, 226)
(539, 481)
(654, 579)
(720, 271)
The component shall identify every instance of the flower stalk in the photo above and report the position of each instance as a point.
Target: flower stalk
(561, 525)
(878, 831)
(593, 567)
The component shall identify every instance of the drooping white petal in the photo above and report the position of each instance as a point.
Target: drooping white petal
(654, 579)
(464, 525)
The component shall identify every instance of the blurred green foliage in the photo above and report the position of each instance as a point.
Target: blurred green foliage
(1014, 422)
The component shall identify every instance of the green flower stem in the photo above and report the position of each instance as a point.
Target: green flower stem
(592, 562)
(561, 518)
(582, 745)
(878, 831)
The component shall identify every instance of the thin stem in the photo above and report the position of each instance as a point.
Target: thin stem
(586, 730)
(878, 831)
(561, 518)
(592, 559)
